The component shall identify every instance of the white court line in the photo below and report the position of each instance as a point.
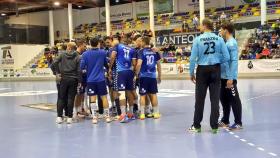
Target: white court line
(244, 140)
(264, 95)
(251, 144)
(272, 154)
(2, 89)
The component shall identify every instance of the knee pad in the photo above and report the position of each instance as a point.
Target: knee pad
(122, 95)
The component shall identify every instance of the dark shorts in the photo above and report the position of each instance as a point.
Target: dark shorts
(125, 81)
(148, 86)
(97, 88)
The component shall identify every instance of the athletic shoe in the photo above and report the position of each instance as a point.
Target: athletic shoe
(108, 119)
(195, 130)
(142, 116)
(235, 127)
(59, 120)
(156, 115)
(131, 116)
(215, 131)
(123, 118)
(149, 115)
(69, 121)
(223, 125)
(94, 120)
(116, 118)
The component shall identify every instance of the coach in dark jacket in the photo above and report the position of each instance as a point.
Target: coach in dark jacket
(67, 65)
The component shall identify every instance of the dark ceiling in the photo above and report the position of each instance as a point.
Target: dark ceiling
(11, 7)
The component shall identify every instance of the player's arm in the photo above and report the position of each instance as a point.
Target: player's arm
(83, 63)
(112, 59)
(55, 65)
(79, 72)
(233, 64)
(138, 67)
(193, 59)
(225, 56)
(159, 71)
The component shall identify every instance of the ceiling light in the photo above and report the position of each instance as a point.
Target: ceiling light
(3, 14)
(80, 6)
(56, 3)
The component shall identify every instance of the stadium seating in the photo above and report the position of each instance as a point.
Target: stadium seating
(233, 12)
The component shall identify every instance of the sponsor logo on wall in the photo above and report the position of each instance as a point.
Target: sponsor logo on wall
(7, 59)
(176, 39)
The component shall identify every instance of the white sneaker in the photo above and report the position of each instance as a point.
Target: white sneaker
(59, 120)
(94, 120)
(108, 119)
(69, 120)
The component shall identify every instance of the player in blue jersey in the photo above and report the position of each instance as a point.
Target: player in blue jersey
(208, 52)
(80, 96)
(111, 84)
(138, 46)
(123, 55)
(93, 62)
(229, 94)
(148, 63)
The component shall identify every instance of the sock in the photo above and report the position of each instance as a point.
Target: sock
(142, 109)
(79, 108)
(75, 111)
(147, 109)
(94, 109)
(156, 109)
(123, 109)
(106, 112)
(131, 109)
(117, 103)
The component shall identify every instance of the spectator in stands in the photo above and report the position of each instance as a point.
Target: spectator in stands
(266, 27)
(265, 52)
(243, 55)
(223, 17)
(276, 27)
(185, 26)
(195, 22)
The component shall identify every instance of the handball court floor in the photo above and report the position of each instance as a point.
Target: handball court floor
(32, 133)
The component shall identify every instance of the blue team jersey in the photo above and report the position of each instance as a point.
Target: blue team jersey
(93, 62)
(149, 62)
(125, 55)
(208, 49)
(232, 47)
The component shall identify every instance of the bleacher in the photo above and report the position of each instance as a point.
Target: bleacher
(232, 12)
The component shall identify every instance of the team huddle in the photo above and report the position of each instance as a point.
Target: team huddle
(117, 64)
(123, 63)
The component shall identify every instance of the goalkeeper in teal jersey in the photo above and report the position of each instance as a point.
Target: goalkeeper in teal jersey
(208, 53)
(229, 94)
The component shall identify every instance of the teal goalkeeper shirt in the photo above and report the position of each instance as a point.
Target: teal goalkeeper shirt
(208, 49)
(233, 62)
